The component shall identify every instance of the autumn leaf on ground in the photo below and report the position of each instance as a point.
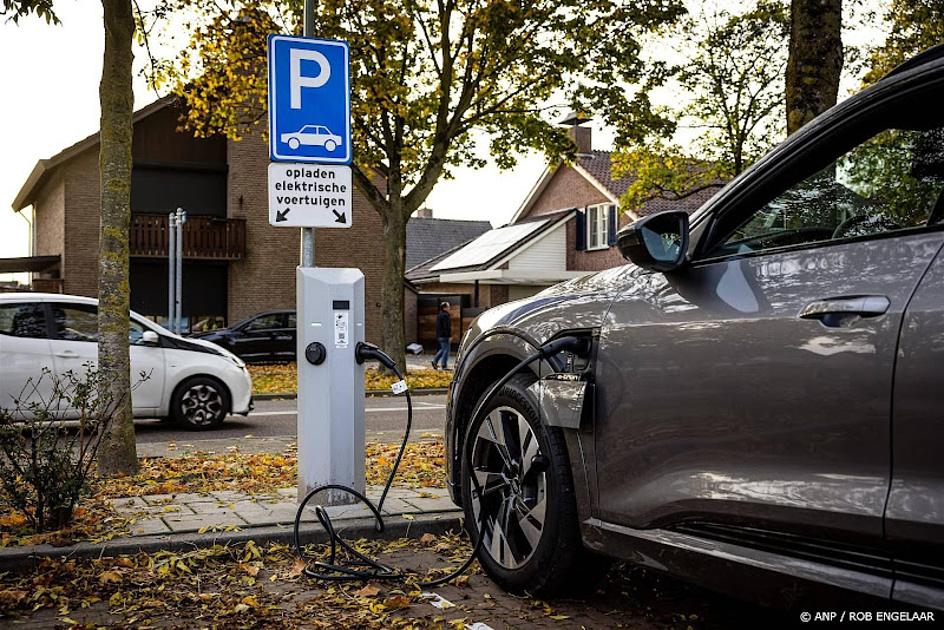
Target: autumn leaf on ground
(367, 591)
(298, 567)
(109, 577)
(397, 602)
(282, 378)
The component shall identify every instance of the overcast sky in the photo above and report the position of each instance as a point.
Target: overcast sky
(50, 101)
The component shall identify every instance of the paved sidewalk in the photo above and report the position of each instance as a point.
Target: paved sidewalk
(424, 361)
(158, 514)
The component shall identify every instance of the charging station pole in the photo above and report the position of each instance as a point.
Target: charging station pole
(310, 185)
(330, 382)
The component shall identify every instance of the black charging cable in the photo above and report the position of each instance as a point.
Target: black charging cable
(358, 566)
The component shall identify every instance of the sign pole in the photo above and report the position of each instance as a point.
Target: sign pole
(171, 270)
(179, 273)
(308, 234)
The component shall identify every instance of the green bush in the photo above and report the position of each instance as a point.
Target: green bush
(49, 438)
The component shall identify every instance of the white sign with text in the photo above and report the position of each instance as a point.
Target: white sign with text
(310, 195)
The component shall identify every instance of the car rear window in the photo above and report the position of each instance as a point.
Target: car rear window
(26, 319)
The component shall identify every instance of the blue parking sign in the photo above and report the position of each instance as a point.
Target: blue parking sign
(309, 100)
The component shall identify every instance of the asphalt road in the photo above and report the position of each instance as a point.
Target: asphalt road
(271, 426)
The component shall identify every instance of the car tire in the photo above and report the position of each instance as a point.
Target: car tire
(330, 145)
(293, 143)
(200, 403)
(539, 551)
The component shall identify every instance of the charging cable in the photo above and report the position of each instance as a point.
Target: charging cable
(357, 566)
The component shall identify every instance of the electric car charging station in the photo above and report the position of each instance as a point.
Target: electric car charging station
(310, 186)
(330, 381)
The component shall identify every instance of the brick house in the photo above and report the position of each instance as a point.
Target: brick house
(565, 227)
(235, 265)
(426, 238)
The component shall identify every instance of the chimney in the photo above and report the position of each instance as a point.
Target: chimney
(578, 133)
(424, 213)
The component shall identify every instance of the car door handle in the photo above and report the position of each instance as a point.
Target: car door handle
(68, 354)
(832, 311)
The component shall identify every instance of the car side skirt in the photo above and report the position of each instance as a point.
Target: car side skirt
(763, 575)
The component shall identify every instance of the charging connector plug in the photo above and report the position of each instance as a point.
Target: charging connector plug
(364, 351)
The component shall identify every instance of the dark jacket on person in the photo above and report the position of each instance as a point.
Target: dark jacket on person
(443, 325)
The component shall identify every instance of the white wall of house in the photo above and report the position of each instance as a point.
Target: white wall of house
(548, 253)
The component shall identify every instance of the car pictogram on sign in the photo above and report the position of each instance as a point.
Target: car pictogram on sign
(312, 135)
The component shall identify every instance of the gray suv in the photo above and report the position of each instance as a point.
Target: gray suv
(759, 405)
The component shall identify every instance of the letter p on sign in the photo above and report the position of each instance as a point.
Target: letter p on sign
(298, 81)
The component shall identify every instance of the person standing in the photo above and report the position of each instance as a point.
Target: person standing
(443, 336)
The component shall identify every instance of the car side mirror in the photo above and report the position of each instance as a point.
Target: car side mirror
(658, 242)
(149, 338)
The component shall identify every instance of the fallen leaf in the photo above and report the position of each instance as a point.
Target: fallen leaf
(298, 567)
(397, 602)
(367, 591)
(109, 577)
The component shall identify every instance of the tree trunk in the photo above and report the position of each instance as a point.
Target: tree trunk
(393, 339)
(815, 61)
(117, 452)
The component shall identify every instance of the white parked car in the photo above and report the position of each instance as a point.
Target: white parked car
(194, 383)
(314, 135)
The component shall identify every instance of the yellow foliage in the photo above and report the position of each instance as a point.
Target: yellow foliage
(283, 378)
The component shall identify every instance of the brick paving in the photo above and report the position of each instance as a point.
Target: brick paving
(191, 512)
(625, 597)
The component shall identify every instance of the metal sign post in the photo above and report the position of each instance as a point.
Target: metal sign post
(171, 271)
(310, 186)
(308, 233)
(175, 269)
(179, 272)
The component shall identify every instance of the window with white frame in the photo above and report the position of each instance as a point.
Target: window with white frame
(598, 225)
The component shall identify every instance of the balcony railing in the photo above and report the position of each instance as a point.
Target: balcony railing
(205, 238)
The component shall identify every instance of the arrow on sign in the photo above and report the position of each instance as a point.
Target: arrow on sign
(280, 215)
(339, 217)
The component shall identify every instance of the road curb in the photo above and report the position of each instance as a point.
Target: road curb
(428, 391)
(28, 557)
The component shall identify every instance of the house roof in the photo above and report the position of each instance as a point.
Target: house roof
(43, 167)
(596, 167)
(489, 249)
(427, 237)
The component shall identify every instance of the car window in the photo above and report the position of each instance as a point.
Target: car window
(79, 322)
(291, 321)
(26, 319)
(75, 322)
(265, 322)
(893, 181)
